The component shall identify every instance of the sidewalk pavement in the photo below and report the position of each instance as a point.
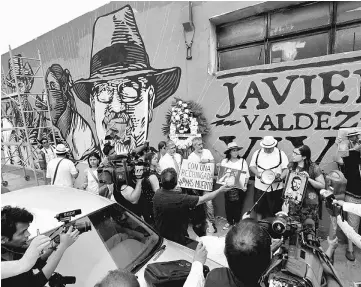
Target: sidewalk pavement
(348, 271)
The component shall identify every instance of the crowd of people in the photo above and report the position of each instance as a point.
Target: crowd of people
(150, 199)
(156, 196)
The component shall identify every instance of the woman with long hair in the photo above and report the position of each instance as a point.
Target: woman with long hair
(150, 184)
(91, 181)
(302, 163)
(234, 197)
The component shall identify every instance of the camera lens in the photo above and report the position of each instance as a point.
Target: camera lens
(83, 227)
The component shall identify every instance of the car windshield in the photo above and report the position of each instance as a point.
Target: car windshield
(110, 238)
(128, 240)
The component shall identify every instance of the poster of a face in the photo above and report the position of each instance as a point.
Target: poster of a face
(295, 187)
(229, 176)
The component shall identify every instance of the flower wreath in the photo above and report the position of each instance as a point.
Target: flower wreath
(185, 121)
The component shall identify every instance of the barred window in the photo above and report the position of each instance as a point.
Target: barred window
(306, 30)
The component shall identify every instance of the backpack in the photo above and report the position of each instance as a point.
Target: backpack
(169, 274)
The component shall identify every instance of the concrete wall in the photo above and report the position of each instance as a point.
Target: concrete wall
(306, 100)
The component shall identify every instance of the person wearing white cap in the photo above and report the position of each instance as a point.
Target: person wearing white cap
(268, 158)
(351, 169)
(61, 170)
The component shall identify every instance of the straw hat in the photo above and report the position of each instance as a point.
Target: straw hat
(61, 149)
(268, 142)
(353, 132)
(231, 146)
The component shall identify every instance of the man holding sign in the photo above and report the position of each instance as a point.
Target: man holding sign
(204, 156)
(171, 208)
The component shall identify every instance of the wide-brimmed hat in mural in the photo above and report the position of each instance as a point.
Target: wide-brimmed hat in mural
(118, 51)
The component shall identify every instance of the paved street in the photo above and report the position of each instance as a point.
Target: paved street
(348, 271)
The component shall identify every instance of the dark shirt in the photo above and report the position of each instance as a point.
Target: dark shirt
(171, 213)
(352, 173)
(27, 279)
(224, 277)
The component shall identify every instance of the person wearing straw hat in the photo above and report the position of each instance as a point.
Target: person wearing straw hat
(351, 169)
(61, 170)
(268, 158)
(234, 198)
(120, 93)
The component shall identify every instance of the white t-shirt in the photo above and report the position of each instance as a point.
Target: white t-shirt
(167, 161)
(269, 161)
(238, 165)
(206, 154)
(65, 171)
(93, 185)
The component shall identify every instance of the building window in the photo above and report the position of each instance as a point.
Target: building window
(309, 30)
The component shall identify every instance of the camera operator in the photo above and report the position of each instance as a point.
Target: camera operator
(248, 253)
(15, 222)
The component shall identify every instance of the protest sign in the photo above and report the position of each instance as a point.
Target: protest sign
(196, 175)
(231, 177)
(295, 189)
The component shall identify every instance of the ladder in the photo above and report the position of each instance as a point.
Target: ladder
(25, 116)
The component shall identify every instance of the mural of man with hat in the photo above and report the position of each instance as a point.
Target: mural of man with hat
(268, 158)
(120, 93)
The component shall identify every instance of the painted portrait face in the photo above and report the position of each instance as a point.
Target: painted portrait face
(296, 183)
(123, 108)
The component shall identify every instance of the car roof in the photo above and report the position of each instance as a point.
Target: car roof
(46, 201)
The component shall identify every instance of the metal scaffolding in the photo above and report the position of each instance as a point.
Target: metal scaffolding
(25, 117)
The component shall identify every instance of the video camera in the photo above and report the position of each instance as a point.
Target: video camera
(336, 189)
(298, 260)
(65, 217)
(58, 280)
(125, 167)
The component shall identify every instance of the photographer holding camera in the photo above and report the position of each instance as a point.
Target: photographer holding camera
(15, 222)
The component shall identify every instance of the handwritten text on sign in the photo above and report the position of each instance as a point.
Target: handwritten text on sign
(196, 175)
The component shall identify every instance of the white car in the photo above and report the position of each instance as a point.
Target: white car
(117, 239)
